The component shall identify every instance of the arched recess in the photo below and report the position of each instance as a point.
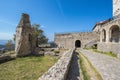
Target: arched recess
(114, 33)
(77, 43)
(103, 35)
(30, 37)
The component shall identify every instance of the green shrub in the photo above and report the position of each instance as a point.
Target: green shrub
(86, 48)
(94, 46)
(56, 51)
(52, 49)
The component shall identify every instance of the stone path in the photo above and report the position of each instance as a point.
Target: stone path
(74, 73)
(108, 67)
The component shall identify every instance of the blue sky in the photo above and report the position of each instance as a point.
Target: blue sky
(54, 16)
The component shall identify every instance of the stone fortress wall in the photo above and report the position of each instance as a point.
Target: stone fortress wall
(72, 40)
(107, 34)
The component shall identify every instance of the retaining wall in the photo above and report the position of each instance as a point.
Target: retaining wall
(60, 69)
(5, 58)
(109, 47)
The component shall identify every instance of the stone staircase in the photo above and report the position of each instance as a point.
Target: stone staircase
(91, 43)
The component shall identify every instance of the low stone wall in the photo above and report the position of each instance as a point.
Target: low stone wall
(110, 47)
(5, 57)
(60, 69)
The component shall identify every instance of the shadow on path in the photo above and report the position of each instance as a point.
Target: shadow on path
(73, 72)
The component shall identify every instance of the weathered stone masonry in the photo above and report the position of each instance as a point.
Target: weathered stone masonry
(25, 43)
(110, 36)
(72, 40)
(60, 70)
(110, 32)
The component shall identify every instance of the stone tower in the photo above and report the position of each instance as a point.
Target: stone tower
(25, 43)
(116, 7)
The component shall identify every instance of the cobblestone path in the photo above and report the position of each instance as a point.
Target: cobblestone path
(108, 67)
(74, 73)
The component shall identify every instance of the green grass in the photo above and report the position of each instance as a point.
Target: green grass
(86, 48)
(84, 72)
(106, 53)
(56, 51)
(26, 68)
(88, 69)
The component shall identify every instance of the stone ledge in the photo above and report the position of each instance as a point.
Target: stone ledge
(60, 69)
(5, 58)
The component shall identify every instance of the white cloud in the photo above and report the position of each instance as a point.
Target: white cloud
(60, 7)
(42, 26)
(6, 36)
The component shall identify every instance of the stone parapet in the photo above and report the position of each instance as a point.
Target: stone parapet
(60, 69)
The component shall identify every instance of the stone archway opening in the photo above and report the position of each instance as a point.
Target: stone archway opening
(103, 35)
(77, 43)
(114, 33)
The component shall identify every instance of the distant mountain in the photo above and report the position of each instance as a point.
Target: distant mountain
(2, 46)
(3, 42)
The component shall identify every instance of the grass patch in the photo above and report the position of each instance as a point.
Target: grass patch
(52, 50)
(86, 48)
(56, 51)
(106, 53)
(84, 72)
(26, 68)
(88, 70)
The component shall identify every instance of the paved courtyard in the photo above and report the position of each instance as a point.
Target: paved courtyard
(108, 67)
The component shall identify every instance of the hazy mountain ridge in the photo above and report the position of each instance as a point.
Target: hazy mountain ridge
(3, 42)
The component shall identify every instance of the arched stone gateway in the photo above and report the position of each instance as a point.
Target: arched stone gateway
(114, 33)
(77, 43)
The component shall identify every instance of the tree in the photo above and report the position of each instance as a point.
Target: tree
(42, 39)
(9, 45)
(39, 35)
(14, 38)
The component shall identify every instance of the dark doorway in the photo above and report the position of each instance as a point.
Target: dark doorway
(77, 44)
(104, 35)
